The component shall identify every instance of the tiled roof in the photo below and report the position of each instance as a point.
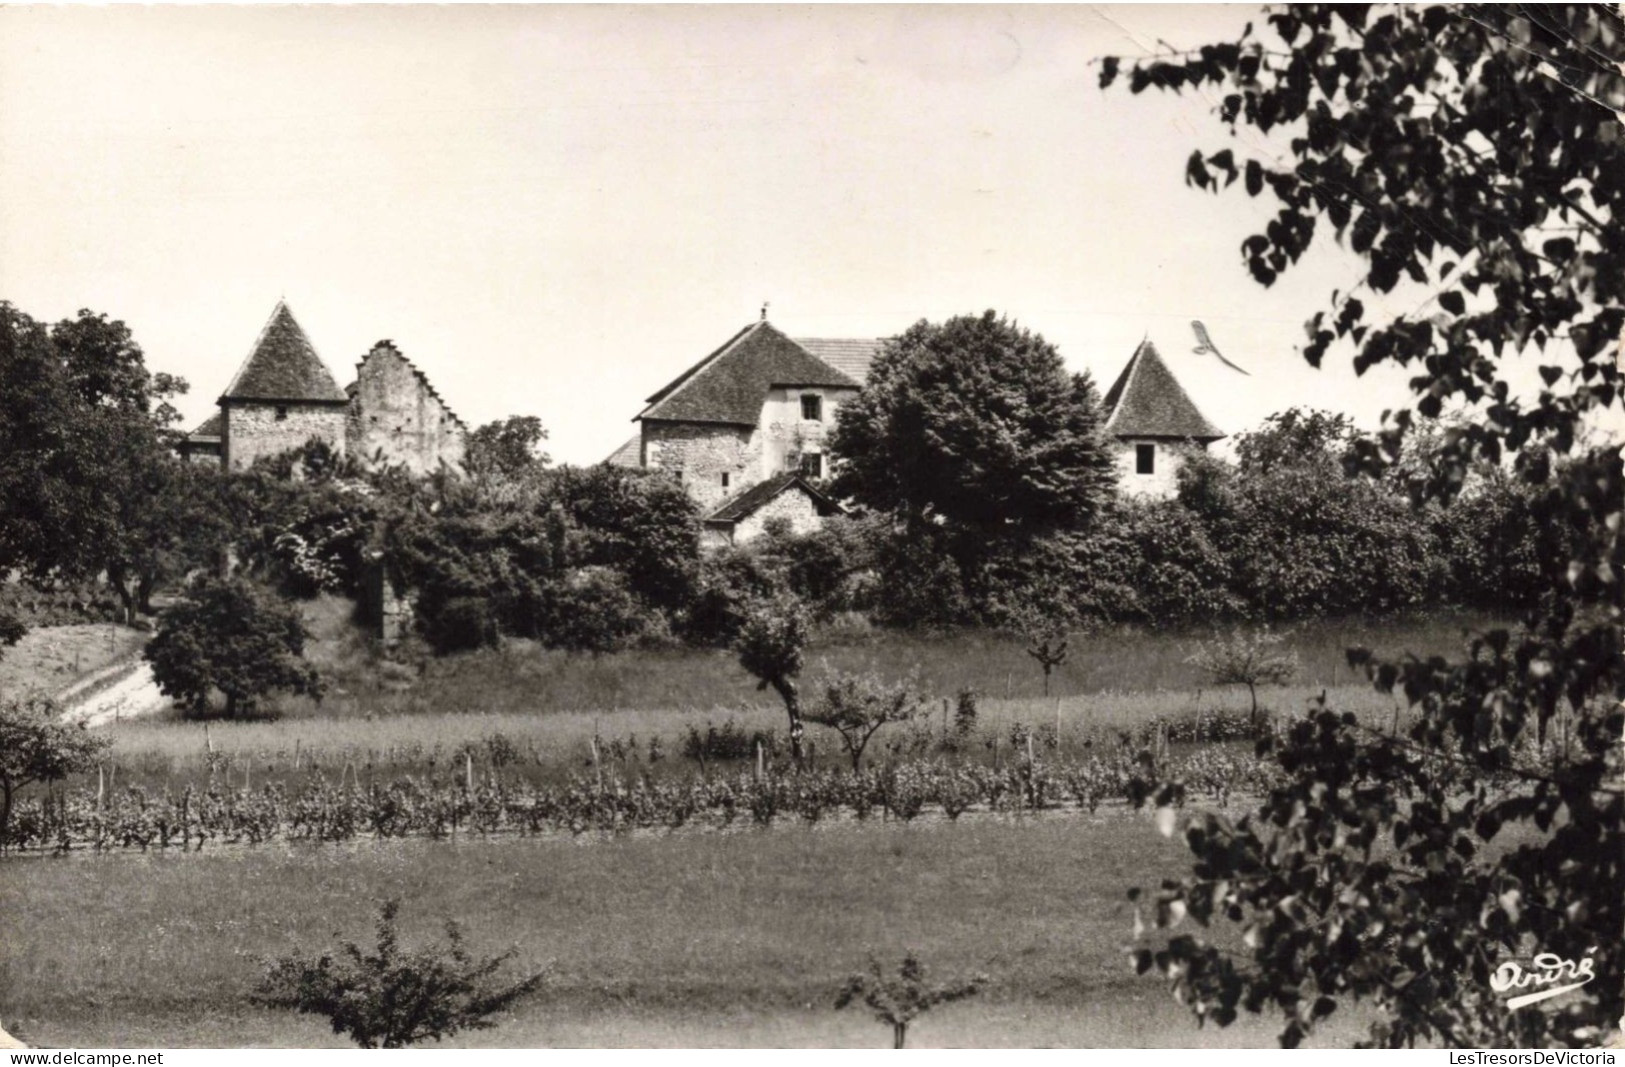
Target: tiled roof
(849, 355)
(762, 492)
(209, 429)
(729, 385)
(284, 366)
(629, 454)
(1148, 401)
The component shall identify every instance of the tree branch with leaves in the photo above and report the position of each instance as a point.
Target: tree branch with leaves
(1474, 155)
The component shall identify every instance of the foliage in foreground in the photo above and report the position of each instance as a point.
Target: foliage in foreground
(391, 997)
(1406, 133)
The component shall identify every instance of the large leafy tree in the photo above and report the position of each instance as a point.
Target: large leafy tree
(1475, 155)
(507, 448)
(1301, 539)
(974, 421)
(228, 635)
(38, 495)
(90, 484)
(638, 522)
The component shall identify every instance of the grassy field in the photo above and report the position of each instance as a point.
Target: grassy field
(525, 679)
(704, 938)
(699, 938)
(550, 706)
(49, 659)
(159, 752)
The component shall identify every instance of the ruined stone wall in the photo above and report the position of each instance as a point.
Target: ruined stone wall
(700, 454)
(260, 428)
(793, 504)
(396, 414)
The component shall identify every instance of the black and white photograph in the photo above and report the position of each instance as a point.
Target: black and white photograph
(811, 526)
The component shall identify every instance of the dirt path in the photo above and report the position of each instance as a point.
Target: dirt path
(122, 690)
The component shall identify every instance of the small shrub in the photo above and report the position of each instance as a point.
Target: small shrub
(1250, 658)
(35, 747)
(594, 610)
(458, 623)
(898, 1001)
(727, 742)
(391, 998)
(857, 706)
(965, 713)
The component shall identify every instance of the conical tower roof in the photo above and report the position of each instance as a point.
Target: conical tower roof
(283, 365)
(1148, 401)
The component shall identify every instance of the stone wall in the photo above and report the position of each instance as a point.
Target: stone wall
(700, 454)
(792, 504)
(787, 436)
(1163, 481)
(257, 428)
(395, 412)
(715, 537)
(207, 455)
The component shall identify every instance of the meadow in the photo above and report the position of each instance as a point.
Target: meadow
(522, 678)
(708, 935)
(711, 939)
(552, 709)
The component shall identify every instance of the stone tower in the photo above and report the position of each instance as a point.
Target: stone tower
(1153, 422)
(282, 396)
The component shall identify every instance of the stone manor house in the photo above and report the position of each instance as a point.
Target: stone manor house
(283, 395)
(744, 428)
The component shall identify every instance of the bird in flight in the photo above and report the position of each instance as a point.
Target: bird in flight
(1204, 345)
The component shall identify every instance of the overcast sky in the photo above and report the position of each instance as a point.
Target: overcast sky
(553, 211)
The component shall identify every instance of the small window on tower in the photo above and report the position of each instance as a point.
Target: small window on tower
(724, 479)
(812, 465)
(812, 407)
(1145, 459)
(281, 412)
